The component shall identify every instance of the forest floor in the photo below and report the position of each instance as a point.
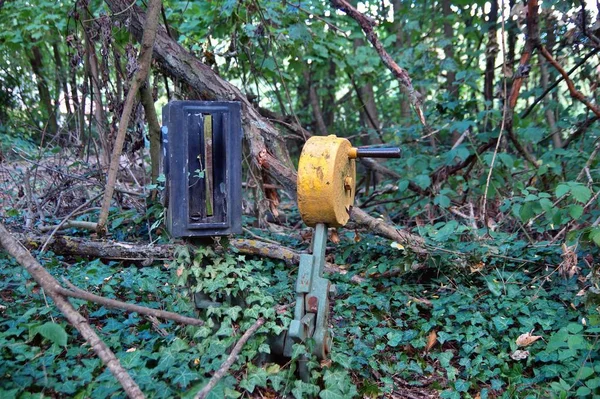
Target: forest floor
(460, 322)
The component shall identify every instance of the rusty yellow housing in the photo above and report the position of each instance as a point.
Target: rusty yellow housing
(326, 176)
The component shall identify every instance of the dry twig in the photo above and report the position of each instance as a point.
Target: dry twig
(230, 360)
(77, 292)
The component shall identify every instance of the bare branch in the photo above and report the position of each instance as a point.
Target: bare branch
(400, 73)
(76, 292)
(574, 92)
(220, 373)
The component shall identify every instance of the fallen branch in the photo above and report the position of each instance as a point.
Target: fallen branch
(71, 224)
(275, 251)
(107, 249)
(76, 292)
(52, 289)
(220, 373)
(147, 254)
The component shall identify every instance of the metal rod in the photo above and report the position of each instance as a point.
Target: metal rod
(392, 152)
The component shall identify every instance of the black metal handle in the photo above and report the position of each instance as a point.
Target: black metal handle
(391, 152)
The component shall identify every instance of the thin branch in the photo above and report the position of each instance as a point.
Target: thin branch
(230, 360)
(66, 219)
(76, 292)
(556, 82)
(572, 90)
(502, 126)
(400, 73)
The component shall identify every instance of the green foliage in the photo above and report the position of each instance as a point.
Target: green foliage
(488, 277)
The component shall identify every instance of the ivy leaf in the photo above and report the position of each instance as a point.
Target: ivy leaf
(131, 359)
(331, 394)
(461, 385)
(167, 360)
(183, 376)
(179, 345)
(494, 287)
(422, 181)
(256, 377)
(303, 390)
(53, 332)
(581, 193)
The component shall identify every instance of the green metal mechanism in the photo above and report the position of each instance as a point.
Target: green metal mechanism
(311, 314)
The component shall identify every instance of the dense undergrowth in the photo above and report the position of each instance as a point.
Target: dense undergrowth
(449, 326)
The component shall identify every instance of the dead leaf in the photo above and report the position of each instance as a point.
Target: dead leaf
(397, 246)
(477, 267)
(357, 237)
(431, 340)
(568, 267)
(130, 350)
(527, 339)
(179, 271)
(519, 355)
(335, 237)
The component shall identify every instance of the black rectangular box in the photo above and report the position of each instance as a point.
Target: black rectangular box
(202, 163)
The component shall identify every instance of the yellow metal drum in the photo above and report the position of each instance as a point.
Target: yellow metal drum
(326, 181)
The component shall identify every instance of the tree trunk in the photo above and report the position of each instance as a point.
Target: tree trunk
(139, 78)
(99, 116)
(545, 80)
(36, 61)
(61, 77)
(402, 41)
(153, 129)
(490, 61)
(450, 87)
(548, 112)
(315, 104)
(368, 108)
(329, 103)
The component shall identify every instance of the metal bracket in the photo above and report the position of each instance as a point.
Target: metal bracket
(311, 314)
